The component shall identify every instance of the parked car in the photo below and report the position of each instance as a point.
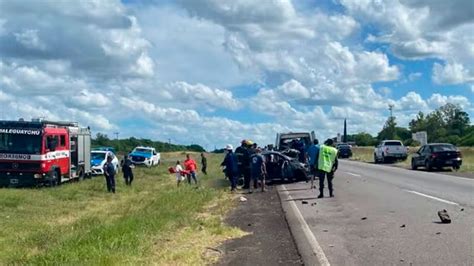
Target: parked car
(99, 158)
(147, 156)
(284, 168)
(390, 150)
(344, 151)
(437, 155)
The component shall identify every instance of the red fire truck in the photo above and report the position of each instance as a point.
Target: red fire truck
(43, 152)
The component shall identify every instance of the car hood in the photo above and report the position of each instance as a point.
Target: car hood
(141, 154)
(95, 162)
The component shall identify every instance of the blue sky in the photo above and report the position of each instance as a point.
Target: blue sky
(215, 72)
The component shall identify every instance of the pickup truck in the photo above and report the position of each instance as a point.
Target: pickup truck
(390, 150)
(147, 156)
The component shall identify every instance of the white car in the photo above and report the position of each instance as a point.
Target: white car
(147, 156)
(98, 160)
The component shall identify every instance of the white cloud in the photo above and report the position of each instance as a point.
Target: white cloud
(29, 38)
(451, 74)
(436, 100)
(414, 76)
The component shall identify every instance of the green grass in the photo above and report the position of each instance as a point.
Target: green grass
(148, 223)
(366, 154)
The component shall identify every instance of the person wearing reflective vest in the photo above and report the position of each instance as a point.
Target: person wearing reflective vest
(327, 165)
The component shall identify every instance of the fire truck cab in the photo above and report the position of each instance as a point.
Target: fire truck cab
(43, 152)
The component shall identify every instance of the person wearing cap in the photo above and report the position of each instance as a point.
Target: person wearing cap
(243, 160)
(327, 165)
(231, 167)
(109, 172)
(258, 169)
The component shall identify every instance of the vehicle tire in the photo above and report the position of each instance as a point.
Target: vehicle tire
(428, 166)
(80, 175)
(456, 168)
(384, 160)
(413, 165)
(55, 178)
(375, 159)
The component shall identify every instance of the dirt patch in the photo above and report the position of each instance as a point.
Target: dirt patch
(269, 242)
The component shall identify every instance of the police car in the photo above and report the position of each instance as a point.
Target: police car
(147, 156)
(99, 158)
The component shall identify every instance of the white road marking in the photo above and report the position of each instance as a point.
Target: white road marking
(432, 197)
(323, 260)
(352, 174)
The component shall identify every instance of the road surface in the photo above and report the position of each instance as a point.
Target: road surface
(384, 216)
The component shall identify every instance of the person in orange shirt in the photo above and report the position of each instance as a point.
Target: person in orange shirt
(191, 166)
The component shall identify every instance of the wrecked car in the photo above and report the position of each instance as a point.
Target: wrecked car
(284, 168)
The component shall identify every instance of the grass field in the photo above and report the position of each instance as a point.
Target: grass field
(152, 222)
(366, 154)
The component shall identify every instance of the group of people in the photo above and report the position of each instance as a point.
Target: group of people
(190, 169)
(246, 161)
(110, 172)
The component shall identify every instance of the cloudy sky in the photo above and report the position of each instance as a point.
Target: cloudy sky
(214, 72)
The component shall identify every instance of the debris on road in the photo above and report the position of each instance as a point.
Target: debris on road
(402, 226)
(314, 203)
(331, 246)
(304, 202)
(249, 224)
(438, 233)
(462, 209)
(242, 199)
(444, 216)
(325, 230)
(363, 218)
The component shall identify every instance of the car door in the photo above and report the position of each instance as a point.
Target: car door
(417, 157)
(424, 154)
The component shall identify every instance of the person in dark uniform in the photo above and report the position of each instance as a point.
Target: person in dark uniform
(127, 166)
(243, 162)
(203, 163)
(231, 167)
(109, 172)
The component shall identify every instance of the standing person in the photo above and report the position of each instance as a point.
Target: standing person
(231, 167)
(243, 159)
(127, 167)
(327, 165)
(258, 169)
(191, 166)
(109, 172)
(178, 171)
(312, 153)
(203, 163)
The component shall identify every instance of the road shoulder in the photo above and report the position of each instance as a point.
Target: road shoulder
(269, 241)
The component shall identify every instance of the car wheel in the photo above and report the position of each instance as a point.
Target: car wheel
(375, 159)
(384, 160)
(413, 165)
(55, 178)
(428, 165)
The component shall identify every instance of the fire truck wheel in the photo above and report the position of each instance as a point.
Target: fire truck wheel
(80, 174)
(54, 178)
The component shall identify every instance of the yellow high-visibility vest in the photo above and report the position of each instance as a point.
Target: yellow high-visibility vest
(327, 157)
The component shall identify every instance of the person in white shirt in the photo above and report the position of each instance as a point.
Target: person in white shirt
(178, 170)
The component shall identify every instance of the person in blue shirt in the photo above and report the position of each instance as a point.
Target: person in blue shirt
(312, 155)
(109, 172)
(257, 169)
(231, 167)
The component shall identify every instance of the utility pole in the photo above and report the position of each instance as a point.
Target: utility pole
(390, 108)
(169, 141)
(116, 135)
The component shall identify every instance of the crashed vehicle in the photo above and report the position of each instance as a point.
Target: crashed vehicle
(294, 144)
(284, 168)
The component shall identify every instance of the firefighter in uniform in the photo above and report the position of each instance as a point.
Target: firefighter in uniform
(243, 162)
(327, 165)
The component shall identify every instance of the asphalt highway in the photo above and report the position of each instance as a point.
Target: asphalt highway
(383, 215)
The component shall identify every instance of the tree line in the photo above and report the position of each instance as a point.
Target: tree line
(127, 145)
(447, 124)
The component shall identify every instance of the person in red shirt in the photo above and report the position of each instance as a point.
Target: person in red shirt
(191, 166)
